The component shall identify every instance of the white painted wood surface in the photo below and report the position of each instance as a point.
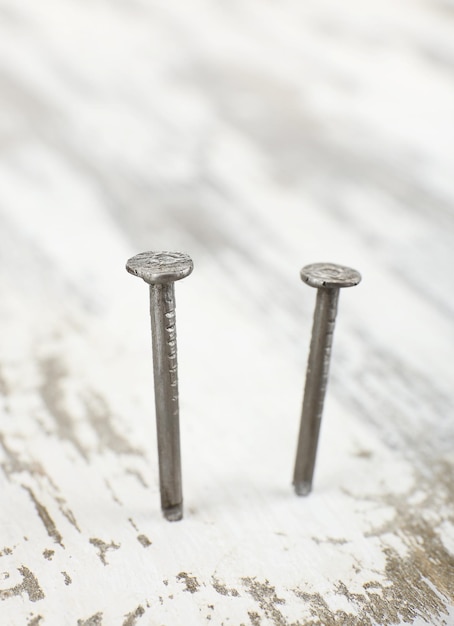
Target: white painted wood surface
(258, 137)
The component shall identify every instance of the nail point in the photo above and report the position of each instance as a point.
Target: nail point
(174, 513)
(303, 488)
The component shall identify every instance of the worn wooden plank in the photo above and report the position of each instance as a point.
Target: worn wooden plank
(257, 137)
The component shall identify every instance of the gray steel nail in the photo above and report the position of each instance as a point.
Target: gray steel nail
(160, 270)
(327, 278)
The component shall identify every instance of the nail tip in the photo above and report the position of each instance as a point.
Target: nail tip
(303, 488)
(173, 513)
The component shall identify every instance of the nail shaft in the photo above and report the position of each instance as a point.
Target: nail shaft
(163, 327)
(315, 388)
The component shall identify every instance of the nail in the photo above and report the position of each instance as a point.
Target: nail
(327, 278)
(160, 270)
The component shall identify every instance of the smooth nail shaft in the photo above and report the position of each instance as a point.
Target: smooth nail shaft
(163, 330)
(315, 388)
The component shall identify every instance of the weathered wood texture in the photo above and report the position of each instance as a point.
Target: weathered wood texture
(257, 136)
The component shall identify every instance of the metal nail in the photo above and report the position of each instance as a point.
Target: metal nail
(327, 278)
(160, 270)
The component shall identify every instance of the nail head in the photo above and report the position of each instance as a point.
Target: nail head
(160, 267)
(329, 276)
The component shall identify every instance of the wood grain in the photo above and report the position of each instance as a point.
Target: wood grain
(258, 137)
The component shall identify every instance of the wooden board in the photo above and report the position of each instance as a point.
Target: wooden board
(257, 137)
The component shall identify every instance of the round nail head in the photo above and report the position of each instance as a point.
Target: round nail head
(329, 276)
(160, 267)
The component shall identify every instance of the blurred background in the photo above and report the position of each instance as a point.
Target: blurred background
(257, 137)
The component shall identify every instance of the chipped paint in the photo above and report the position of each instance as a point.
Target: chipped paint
(424, 577)
(103, 548)
(48, 554)
(191, 583)
(45, 518)
(29, 586)
(101, 420)
(64, 510)
(140, 479)
(110, 489)
(143, 539)
(15, 465)
(94, 620)
(222, 588)
(133, 618)
(52, 393)
(265, 596)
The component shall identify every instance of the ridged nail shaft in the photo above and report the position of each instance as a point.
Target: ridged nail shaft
(165, 369)
(315, 388)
